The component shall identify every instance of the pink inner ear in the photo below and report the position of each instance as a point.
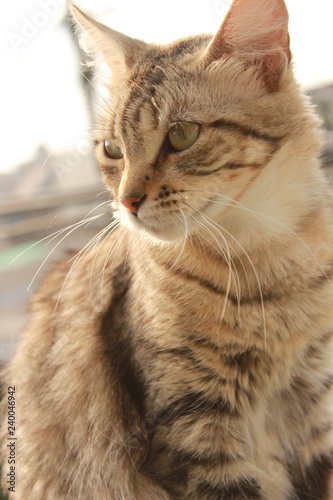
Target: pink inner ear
(256, 31)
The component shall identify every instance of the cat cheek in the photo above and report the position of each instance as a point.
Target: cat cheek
(111, 178)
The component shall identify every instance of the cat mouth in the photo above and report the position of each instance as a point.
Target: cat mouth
(157, 228)
(173, 227)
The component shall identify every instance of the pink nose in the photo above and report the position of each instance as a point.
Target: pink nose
(132, 204)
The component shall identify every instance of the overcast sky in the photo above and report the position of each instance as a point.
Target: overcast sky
(40, 99)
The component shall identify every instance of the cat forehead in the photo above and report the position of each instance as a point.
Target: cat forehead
(152, 100)
(157, 84)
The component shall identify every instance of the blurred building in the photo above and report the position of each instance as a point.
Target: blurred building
(322, 98)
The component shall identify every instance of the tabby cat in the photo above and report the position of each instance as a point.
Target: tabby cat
(188, 355)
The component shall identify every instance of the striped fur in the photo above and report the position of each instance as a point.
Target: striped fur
(189, 355)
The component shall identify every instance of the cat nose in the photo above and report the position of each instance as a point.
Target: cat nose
(133, 203)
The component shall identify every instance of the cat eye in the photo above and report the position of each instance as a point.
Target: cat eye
(183, 135)
(112, 150)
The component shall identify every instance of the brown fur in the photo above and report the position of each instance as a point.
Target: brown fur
(189, 355)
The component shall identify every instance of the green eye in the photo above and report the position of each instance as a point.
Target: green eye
(112, 150)
(183, 135)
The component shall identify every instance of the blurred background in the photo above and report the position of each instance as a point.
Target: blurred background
(48, 176)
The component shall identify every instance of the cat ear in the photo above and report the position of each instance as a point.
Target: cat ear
(256, 32)
(119, 51)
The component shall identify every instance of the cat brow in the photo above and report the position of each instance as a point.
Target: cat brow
(222, 123)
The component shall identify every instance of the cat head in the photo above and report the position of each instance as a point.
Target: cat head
(194, 130)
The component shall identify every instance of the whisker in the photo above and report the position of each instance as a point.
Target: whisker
(51, 237)
(46, 160)
(184, 222)
(90, 243)
(74, 228)
(254, 271)
(198, 236)
(291, 231)
(105, 102)
(229, 261)
(219, 227)
(86, 220)
(227, 258)
(98, 206)
(48, 227)
(80, 255)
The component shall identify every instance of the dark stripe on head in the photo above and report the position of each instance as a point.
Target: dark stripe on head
(137, 114)
(237, 127)
(225, 166)
(146, 78)
(154, 77)
(143, 87)
(155, 112)
(189, 45)
(243, 490)
(315, 483)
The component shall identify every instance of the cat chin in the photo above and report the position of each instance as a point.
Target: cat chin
(156, 235)
(166, 236)
(163, 235)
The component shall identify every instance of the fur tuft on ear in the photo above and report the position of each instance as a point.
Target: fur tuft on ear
(119, 51)
(256, 32)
